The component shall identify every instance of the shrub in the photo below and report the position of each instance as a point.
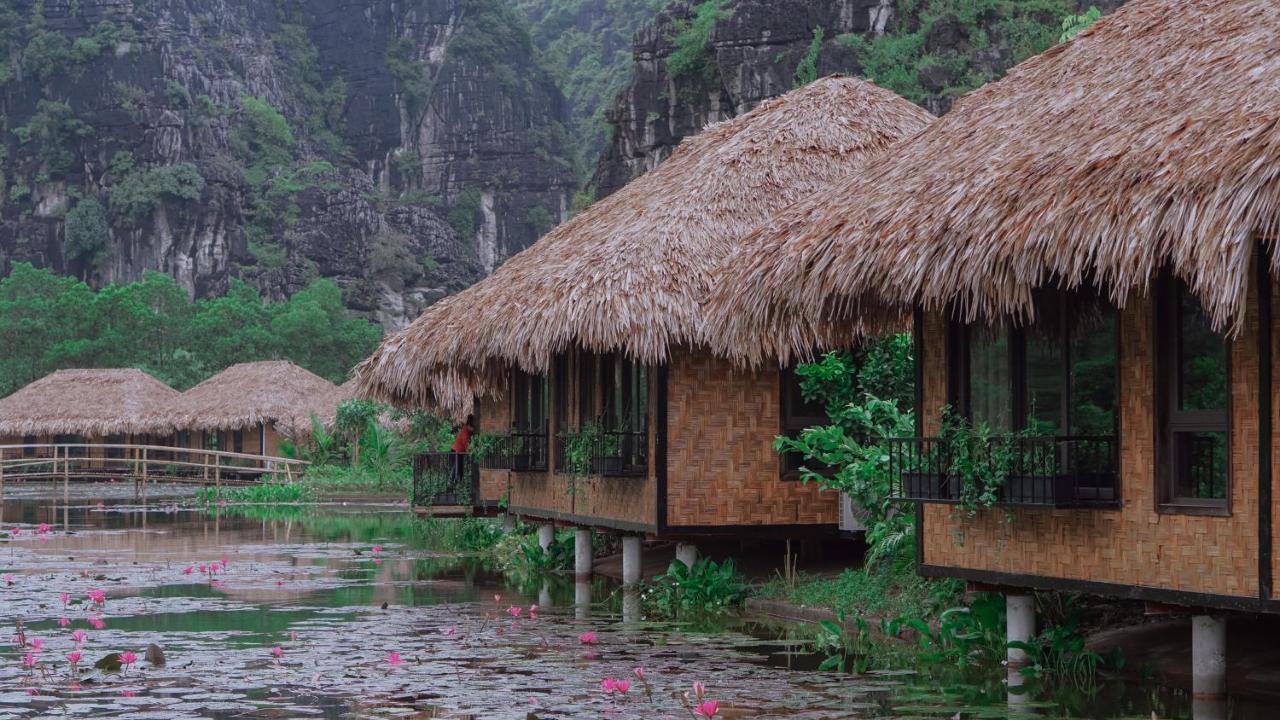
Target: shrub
(706, 589)
(140, 192)
(692, 53)
(86, 231)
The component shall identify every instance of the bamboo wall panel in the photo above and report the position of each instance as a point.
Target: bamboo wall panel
(625, 500)
(1134, 545)
(492, 417)
(721, 465)
(1275, 438)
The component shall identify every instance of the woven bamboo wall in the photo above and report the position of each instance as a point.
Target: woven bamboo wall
(492, 416)
(1134, 545)
(630, 501)
(721, 465)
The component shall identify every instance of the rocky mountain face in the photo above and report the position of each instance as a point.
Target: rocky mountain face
(400, 147)
(706, 61)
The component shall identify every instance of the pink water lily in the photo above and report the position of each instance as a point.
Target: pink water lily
(73, 657)
(223, 562)
(29, 660)
(79, 636)
(707, 709)
(699, 690)
(7, 578)
(513, 611)
(37, 645)
(588, 638)
(97, 623)
(609, 684)
(97, 597)
(128, 657)
(393, 658)
(622, 686)
(44, 528)
(188, 570)
(377, 561)
(450, 632)
(533, 612)
(277, 651)
(65, 598)
(639, 673)
(64, 621)
(15, 532)
(377, 549)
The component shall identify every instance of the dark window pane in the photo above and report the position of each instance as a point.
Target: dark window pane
(1202, 359)
(989, 380)
(1201, 465)
(1045, 365)
(1093, 369)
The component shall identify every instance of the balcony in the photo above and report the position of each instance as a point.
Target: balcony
(520, 450)
(609, 453)
(445, 480)
(1058, 471)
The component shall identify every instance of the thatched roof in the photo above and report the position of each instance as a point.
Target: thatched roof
(90, 403)
(1149, 141)
(631, 272)
(244, 395)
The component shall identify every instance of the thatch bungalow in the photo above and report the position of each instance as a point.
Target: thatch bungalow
(588, 346)
(1089, 249)
(91, 406)
(253, 407)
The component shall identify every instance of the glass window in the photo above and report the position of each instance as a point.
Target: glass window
(798, 414)
(990, 381)
(1195, 415)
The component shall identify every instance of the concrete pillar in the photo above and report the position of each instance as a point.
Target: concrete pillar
(1208, 656)
(1209, 708)
(1020, 625)
(544, 595)
(631, 559)
(687, 553)
(630, 604)
(582, 554)
(508, 523)
(1018, 698)
(546, 534)
(582, 599)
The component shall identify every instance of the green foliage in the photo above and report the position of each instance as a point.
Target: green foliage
(87, 232)
(519, 556)
(491, 34)
(54, 128)
(354, 415)
(265, 494)
(1059, 650)
(966, 635)
(692, 54)
(807, 70)
(137, 195)
(884, 590)
(465, 212)
(48, 322)
(901, 60)
(262, 136)
(407, 73)
(705, 590)
(540, 219)
(1073, 24)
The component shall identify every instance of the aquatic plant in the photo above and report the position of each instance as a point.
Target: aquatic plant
(73, 658)
(393, 659)
(707, 709)
(706, 589)
(97, 597)
(277, 652)
(588, 638)
(64, 598)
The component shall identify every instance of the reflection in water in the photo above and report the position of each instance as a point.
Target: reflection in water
(307, 580)
(582, 599)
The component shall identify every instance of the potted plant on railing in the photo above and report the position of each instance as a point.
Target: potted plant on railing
(578, 450)
(607, 458)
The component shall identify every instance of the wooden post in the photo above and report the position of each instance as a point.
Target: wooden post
(144, 479)
(204, 464)
(66, 474)
(217, 475)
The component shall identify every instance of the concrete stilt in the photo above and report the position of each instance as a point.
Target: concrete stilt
(544, 596)
(630, 604)
(1208, 656)
(508, 523)
(631, 559)
(582, 554)
(1020, 625)
(1209, 708)
(546, 533)
(1018, 698)
(687, 553)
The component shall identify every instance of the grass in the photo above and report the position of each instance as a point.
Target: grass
(884, 591)
(331, 478)
(267, 493)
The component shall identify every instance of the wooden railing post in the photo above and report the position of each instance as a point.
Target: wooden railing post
(144, 478)
(217, 475)
(66, 473)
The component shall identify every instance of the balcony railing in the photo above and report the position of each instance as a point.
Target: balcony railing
(445, 479)
(613, 453)
(521, 451)
(1061, 471)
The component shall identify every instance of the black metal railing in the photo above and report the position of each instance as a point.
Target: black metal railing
(1059, 471)
(445, 479)
(519, 450)
(611, 453)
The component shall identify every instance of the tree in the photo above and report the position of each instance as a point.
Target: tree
(87, 233)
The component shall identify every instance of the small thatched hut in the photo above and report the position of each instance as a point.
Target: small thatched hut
(251, 407)
(1089, 248)
(589, 346)
(87, 406)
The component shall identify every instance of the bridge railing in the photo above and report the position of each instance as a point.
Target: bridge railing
(141, 462)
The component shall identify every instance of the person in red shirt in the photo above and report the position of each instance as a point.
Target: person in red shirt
(463, 441)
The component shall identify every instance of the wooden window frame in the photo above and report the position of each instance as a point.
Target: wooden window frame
(1170, 421)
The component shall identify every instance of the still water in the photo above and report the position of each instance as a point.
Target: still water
(337, 611)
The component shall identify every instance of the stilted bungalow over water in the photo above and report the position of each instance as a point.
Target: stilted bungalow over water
(588, 349)
(253, 407)
(1089, 249)
(86, 407)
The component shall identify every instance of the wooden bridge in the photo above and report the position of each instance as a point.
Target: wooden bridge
(143, 464)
